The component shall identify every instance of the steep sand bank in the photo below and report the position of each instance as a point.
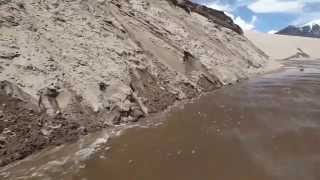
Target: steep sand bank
(282, 46)
(71, 67)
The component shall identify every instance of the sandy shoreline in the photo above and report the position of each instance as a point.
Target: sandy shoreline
(63, 77)
(74, 154)
(70, 68)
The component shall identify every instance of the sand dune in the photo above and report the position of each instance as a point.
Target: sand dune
(281, 46)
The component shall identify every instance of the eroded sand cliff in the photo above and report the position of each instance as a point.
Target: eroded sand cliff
(71, 67)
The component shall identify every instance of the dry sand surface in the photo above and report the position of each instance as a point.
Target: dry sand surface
(282, 46)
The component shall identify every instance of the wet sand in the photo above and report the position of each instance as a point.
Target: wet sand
(266, 129)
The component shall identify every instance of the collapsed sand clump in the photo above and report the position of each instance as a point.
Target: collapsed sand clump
(71, 67)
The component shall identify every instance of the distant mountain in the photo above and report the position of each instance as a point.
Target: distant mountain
(311, 29)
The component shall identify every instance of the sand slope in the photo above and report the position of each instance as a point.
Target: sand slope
(87, 65)
(282, 46)
(99, 49)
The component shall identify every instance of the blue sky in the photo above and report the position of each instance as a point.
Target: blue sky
(267, 15)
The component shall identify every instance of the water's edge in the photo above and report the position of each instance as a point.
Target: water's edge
(75, 158)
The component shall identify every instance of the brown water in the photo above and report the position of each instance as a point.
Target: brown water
(262, 129)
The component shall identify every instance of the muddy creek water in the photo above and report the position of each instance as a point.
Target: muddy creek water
(267, 128)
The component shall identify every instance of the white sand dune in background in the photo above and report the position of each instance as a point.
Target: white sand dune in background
(281, 46)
